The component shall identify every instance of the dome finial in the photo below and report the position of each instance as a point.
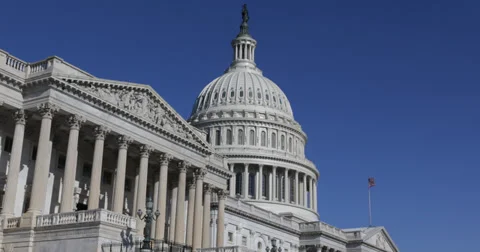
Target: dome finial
(245, 18)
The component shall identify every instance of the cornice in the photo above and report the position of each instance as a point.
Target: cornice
(220, 172)
(65, 87)
(11, 82)
(256, 218)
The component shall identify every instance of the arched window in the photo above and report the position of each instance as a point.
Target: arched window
(218, 137)
(224, 94)
(241, 137)
(282, 142)
(263, 139)
(241, 93)
(259, 247)
(229, 137)
(216, 95)
(290, 144)
(274, 140)
(251, 137)
(232, 93)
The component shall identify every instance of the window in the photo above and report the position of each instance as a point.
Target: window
(282, 142)
(274, 140)
(292, 189)
(87, 170)
(274, 99)
(217, 137)
(244, 241)
(230, 237)
(250, 94)
(241, 93)
(107, 177)
(241, 137)
(128, 185)
(263, 139)
(224, 94)
(264, 185)
(232, 93)
(267, 97)
(283, 187)
(290, 144)
(251, 184)
(259, 247)
(259, 95)
(238, 183)
(229, 137)
(7, 147)
(34, 152)
(208, 136)
(252, 137)
(61, 162)
(215, 96)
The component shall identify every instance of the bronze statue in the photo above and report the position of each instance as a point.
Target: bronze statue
(245, 13)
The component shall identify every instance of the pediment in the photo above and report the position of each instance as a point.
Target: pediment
(140, 101)
(380, 239)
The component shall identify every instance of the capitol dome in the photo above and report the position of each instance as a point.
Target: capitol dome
(248, 119)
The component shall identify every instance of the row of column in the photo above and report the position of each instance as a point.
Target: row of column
(304, 186)
(42, 166)
(244, 51)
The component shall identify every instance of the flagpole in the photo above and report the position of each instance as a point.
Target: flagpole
(369, 208)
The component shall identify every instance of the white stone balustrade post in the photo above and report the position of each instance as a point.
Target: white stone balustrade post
(75, 122)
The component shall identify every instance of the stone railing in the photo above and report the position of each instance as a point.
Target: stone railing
(98, 215)
(13, 222)
(25, 70)
(322, 227)
(226, 249)
(260, 212)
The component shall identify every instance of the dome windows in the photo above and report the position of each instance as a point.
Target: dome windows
(232, 94)
(229, 137)
(224, 94)
(241, 93)
(274, 140)
(241, 137)
(274, 99)
(252, 137)
(250, 94)
(259, 95)
(215, 96)
(263, 139)
(282, 142)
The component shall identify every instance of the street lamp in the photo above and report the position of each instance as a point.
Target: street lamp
(148, 217)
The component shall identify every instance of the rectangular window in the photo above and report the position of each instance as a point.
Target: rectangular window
(251, 184)
(7, 146)
(217, 137)
(208, 136)
(61, 162)
(244, 241)
(292, 189)
(230, 237)
(34, 152)
(264, 185)
(238, 183)
(107, 177)
(87, 170)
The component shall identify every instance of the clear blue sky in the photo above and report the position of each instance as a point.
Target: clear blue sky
(388, 89)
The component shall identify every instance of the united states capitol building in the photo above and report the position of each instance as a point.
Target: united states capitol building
(80, 155)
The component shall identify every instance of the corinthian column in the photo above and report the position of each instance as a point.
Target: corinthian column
(180, 219)
(42, 164)
(162, 197)
(191, 211)
(287, 187)
(305, 199)
(206, 216)
(15, 160)
(245, 182)
(75, 122)
(260, 184)
(118, 199)
(197, 224)
(222, 195)
(100, 133)
(311, 193)
(233, 181)
(274, 180)
(145, 151)
(296, 189)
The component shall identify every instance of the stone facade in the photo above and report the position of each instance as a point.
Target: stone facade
(79, 155)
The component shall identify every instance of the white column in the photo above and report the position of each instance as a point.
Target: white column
(222, 195)
(305, 201)
(162, 197)
(75, 122)
(118, 197)
(233, 182)
(156, 185)
(42, 164)
(260, 186)
(257, 185)
(145, 151)
(100, 132)
(315, 198)
(287, 187)
(311, 192)
(191, 211)
(296, 189)
(274, 184)
(245, 182)
(197, 223)
(270, 187)
(173, 210)
(206, 216)
(14, 168)
(180, 219)
(135, 193)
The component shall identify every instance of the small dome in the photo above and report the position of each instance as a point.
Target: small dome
(239, 90)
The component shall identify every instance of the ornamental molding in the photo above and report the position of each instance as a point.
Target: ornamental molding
(11, 81)
(220, 172)
(139, 104)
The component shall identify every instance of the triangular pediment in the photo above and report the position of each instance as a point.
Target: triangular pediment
(379, 238)
(140, 101)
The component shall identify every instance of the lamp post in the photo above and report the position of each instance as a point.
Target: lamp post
(148, 217)
(274, 247)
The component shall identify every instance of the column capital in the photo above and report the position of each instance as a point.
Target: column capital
(75, 121)
(260, 166)
(20, 117)
(200, 173)
(207, 188)
(100, 132)
(47, 109)
(191, 184)
(165, 158)
(183, 165)
(246, 165)
(145, 150)
(124, 141)
(222, 194)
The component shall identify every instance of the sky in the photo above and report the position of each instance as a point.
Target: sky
(384, 89)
